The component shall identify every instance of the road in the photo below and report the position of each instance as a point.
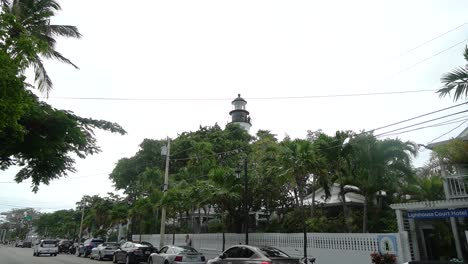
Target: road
(12, 255)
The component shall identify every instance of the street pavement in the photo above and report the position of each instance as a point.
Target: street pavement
(12, 255)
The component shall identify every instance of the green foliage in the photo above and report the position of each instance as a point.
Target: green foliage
(455, 152)
(59, 224)
(34, 135)
(216, 226)
(456, 81)
(28, 35)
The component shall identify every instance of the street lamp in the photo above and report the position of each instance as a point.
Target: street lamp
(246, 209)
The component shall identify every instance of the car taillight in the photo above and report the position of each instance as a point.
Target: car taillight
(202, 258)
(265, 262)
(178, 258)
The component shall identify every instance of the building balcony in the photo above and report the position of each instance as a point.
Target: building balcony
(457, 186)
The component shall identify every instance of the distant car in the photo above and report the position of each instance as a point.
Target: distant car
(104, 250)
(85, 248)
(19, 243)
(243, 254)
(176, 255)
(46, 246)
(27, 244)
(133, 252)
(64, 246)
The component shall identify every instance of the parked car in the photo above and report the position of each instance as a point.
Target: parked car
(46, 246)
(177, 254)
(85, 248)
(133, 252)
(19, 243)
(64, 246)
(243, 254)
(27, 244)
(104, 250)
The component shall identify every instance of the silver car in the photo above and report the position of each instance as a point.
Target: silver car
(177, 255)
(104, 250)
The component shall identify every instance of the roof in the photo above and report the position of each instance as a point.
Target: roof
(239, 99)
(335, 198)
(428, 205)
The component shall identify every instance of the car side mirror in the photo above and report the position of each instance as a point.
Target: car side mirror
(222, 256)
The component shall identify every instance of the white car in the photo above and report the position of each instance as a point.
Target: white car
(177, 255)
(46, 246)
(104, 250)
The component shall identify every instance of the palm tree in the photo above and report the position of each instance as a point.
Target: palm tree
(32, 20)
(456, 80)
(379, 165)
(300, 160)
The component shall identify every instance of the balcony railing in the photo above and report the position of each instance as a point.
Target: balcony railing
(457, 186)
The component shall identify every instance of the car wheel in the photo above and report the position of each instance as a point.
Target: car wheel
(55, 254)
(34, 254)
(51, 255)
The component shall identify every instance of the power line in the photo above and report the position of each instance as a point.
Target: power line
(420, 123)
(426, 59)
(249, 98)
(416, 117)
(424, 127)
(449, 131)
(430, 40)
(65, 178)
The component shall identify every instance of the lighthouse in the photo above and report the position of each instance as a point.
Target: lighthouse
(239, 115)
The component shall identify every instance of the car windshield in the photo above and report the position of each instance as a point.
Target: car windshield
(273, 252)
(48, 242)
(184, 249)
(97, 241)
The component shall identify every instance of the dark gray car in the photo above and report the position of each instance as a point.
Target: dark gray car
(243, 254)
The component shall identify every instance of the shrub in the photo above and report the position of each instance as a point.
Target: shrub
(379, 258)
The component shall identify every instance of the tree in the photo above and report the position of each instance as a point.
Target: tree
(456, 81)
(19, 221)
(31, 19)
(336, 152)
(300, 160)
(33, 134)
(378, 165)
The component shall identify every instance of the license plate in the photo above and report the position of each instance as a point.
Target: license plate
(147, 252)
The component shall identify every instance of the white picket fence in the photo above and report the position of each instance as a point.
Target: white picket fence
(327, 248)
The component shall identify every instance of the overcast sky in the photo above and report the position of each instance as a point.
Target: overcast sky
(261, 49)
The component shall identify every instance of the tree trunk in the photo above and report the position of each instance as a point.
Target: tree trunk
(199, 220)
(345, 208)
(364, 215)
(295, 197)
(312, 206)
(304, 228)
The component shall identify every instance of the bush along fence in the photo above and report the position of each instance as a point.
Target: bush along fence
(327, 248)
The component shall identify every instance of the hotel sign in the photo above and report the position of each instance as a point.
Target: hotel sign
(441, 213)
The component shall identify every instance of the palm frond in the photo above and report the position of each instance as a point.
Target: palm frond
(65, 31)
(44, 83)
(456, 81)
(53, 54)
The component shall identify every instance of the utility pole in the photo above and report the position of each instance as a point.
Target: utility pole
(246, 201)
(166, 182)
(81, 224)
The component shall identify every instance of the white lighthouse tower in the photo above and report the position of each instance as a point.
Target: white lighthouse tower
(239, 115)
